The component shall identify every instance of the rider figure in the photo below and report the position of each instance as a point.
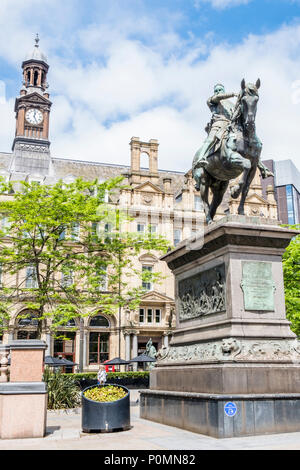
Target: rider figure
(222, 111)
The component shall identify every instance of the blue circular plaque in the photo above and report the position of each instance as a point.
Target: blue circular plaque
(230, 408)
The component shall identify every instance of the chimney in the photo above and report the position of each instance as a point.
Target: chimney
(167, 184)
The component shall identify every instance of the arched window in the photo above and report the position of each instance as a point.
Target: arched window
(27, 323)
(98, 340)
(99, 321)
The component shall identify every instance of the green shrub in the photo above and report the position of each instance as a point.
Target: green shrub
(127, 379)
(63, 392)
(110, 375)
(105, 394)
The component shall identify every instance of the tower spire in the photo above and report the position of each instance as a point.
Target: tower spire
(31, 144)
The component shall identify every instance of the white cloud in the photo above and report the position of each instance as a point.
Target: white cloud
(222, 4)
(115, 86)
(166, 99)
(2, 92)
(7, 124)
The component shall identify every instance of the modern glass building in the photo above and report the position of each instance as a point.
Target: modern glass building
(286, 182)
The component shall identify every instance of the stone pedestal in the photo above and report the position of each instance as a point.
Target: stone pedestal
(232, 342)
(23, 400)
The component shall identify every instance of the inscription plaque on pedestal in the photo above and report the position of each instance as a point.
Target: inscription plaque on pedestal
(258, 286)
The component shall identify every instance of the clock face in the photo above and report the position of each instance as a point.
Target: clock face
(34, 116)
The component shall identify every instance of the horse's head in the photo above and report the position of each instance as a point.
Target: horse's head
(248, 101)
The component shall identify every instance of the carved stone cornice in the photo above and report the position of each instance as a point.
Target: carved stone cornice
(131, 332)
(234, 349)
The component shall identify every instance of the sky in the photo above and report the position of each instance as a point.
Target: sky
(145, 68)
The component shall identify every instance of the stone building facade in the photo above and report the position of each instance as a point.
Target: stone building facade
(164, 200)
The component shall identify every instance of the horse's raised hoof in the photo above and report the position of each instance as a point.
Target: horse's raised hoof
(235, 191)
(209, 222)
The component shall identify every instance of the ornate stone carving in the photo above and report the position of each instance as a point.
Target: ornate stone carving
(32, 148)
(233, 349)
(202, 294)
(147, 199)
(162, 353)
(230, 347)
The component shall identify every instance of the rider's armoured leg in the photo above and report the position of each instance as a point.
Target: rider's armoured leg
(200, 159)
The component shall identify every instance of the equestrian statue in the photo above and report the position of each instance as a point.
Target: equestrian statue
(231, 148)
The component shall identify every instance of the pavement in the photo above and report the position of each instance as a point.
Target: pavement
(64, 433)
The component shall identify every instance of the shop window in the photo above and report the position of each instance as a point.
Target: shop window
(65, 347)
(98, 347)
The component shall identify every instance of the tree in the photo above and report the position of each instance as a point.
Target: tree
(291, 271)
(123, 248)
(57, 252)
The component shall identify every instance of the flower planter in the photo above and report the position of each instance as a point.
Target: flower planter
(105, 416)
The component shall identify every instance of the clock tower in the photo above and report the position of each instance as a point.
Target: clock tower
(31, 147)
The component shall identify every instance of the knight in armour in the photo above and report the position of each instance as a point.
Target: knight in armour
(225, 114)
(222, 112)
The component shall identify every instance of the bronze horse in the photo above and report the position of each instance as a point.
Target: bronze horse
(238, 153)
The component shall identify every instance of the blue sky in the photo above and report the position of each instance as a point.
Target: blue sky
(123, 68)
